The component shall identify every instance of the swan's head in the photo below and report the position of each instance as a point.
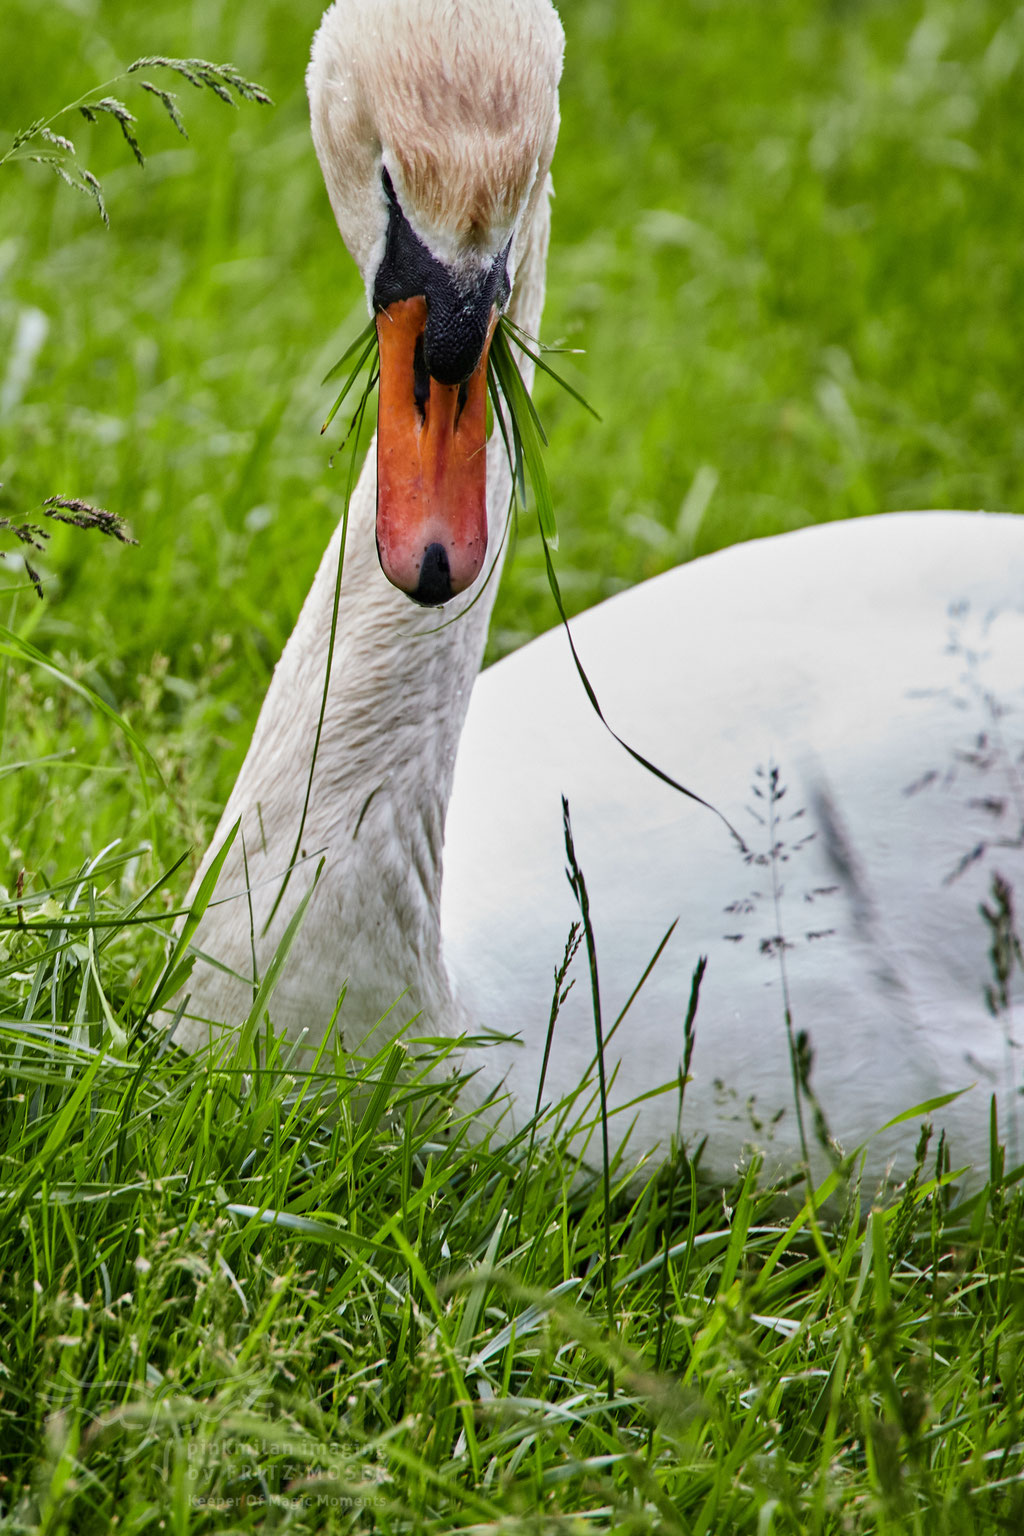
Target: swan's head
(435, 122)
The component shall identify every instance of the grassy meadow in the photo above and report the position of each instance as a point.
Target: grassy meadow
(787, 241)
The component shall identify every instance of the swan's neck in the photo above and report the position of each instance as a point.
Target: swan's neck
(400, 685)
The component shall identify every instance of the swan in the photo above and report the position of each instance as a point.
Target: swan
(849, 697)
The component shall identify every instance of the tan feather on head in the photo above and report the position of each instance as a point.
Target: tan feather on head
(458, 101)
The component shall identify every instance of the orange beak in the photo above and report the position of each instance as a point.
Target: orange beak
(431, 463)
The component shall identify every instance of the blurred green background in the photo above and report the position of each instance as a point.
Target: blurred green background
(787, 235)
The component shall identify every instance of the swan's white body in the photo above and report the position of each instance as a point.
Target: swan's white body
(825, 654)
(878, 665)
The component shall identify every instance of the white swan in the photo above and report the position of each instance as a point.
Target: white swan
(868, 669)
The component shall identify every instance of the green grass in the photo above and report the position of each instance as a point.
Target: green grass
(787, 237)
(226, 1287)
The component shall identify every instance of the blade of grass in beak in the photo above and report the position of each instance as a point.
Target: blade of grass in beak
(370, 347)
(360, 344)
(357, 414)
(526, 427)
(519, 335)
(513, 450)
(527, 439)
(523, 343)
(523, 404)
(638, 757)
